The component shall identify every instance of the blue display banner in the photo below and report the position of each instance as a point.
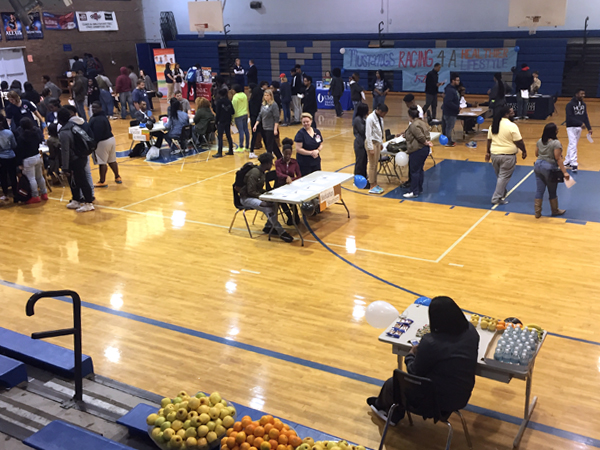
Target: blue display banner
(452, 59)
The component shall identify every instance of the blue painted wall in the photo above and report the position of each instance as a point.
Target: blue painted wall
(544, 52)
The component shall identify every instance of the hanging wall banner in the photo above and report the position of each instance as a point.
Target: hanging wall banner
(162, 56)
(97, 21)
(12, 27)
(34, 31)
(59, 22)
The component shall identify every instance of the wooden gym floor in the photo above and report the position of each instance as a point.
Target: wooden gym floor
(175, 302)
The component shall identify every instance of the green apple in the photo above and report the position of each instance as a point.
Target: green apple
(161, 412)
(195, 422)
(232, 410)
(211, 425)
(204, 401)
(225, 413)
(182, 414)
(228, 422)
(218, 422)
(191, 442)
(168, 433)
(202, 443)
(204, 418)
(221, 430)
(203, 409)
(159, 421)
(172, 416)
(214, 413)
(318, 446)
(336, 447)
(215, 398)
(164, 402)
(176, 442)
(190, 432)
(192, 414)
(184, 405)
(224, 402)
(156, 433)
(202, 431)
(169, 409)
(211, 437)
(182, 394)
(308, 440)
(219, 406)
(187, 424)
(177, 425)
(165, 425)
(193, 404)
(303, 446)
(181, 433)
(200, 395)
(151, 419)
(177, 400)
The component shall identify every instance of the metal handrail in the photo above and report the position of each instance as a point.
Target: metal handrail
(75, 331)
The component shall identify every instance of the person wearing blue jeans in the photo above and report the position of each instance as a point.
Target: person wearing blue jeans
(126, 101)
(418, 142)
(241, 124)
(550, 160)
(108, 105)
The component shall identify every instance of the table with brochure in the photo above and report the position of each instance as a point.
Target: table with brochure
(496, 365)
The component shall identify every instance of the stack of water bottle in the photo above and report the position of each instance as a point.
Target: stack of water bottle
(516, 345)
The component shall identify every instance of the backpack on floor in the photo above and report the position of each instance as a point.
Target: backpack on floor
(84, 144)
(137, 150)
(23, 189)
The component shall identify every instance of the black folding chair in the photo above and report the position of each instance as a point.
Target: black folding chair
(237, 202)
(418, 395)
(433, 122)
(186, 139)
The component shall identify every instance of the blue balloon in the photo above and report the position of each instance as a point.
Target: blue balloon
(480, 120)
(425, 301)
(360, 181)
(517, 48)
(443, 139)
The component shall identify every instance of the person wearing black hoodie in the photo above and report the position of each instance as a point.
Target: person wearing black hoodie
(450, 108)
(447, 356)
(336, 90)
(106, 150)
(577, 119)
(523, 80)
(224, 115)
(73, 164)
(29, 138)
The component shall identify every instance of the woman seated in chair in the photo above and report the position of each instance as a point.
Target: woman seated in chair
(177, 120)
(204, 116)
(447, 356)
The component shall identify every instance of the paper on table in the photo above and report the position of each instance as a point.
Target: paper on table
(476, 109)
(570, 182)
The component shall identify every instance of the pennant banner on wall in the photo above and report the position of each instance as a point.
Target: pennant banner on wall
(97, 21)
(59, 21)
(12, 27)
(162, 56)
(34, 31)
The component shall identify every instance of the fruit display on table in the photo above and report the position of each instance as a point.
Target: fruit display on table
(196, 422)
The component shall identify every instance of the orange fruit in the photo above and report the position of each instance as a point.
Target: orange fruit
(283, 439)
(268, 427)
(289, 447)
(286, 426)
(229, 431)
(244, 446)
(265, 446)
(266, 419)
(224, 447)
(281, 447)
(246, 420)
(295, 441)
(237, 426)
(250, 439)
(230, 442)
(240, 438)
(249, 429)
(278, 424)
(253, 448)
(237, 447)
(292, 433)
(233, 434)
(257, 442)
(224, 440)
(274, 444)
(259, 431)
(274, 433)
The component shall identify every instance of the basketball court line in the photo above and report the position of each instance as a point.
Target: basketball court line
(568, 435)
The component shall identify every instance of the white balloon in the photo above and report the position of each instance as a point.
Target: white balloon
(342, 50)
(381, 314)
(401, 159)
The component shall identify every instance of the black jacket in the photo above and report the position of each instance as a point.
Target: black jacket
(252, 75)
(523, 80)
(451, 105)
(431, 82)
(255, 101)
(286, 92)
(450, 362)
(309, 102)
(28, 143)
(355, 90)
(224, 111)
(100, 127)
(337, 87)
(297, 84)
(577, 114)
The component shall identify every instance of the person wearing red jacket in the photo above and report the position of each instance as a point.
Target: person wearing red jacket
(288, 170)
(123, 90)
